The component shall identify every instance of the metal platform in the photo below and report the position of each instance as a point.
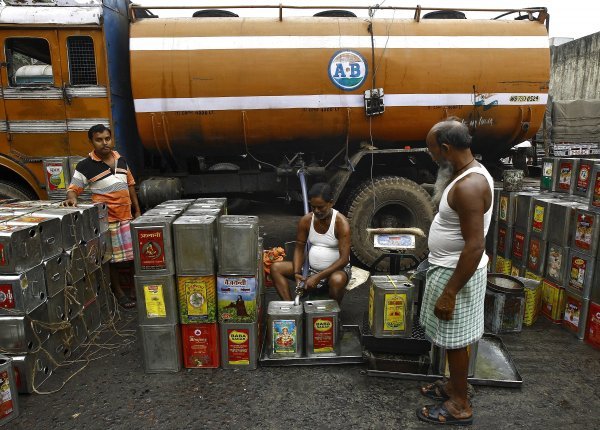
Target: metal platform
(350, 352)
(416, 344)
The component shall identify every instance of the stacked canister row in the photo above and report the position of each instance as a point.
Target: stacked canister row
(198, 282)
(54, 284)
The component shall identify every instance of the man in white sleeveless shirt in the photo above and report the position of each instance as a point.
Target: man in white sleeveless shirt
(328, 232)
(452, 308)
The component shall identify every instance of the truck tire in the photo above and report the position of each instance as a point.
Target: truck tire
(10, 190)
(398, 202)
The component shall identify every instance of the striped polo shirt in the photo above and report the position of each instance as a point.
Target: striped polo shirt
(106, 186)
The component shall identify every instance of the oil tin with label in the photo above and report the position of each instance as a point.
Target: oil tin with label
(55, 273)
(507, 207)
(585, 233)
(553, 301)
(504, 241)
(520, 241)
(540, 213)
(583, 177)
(516, 269)
(56, 171)
(391, 302)
(9, 397)
(285, 334)
(239, 345)
(592, 335)
(92, 254)
(594, 193)
(197, 296)
(549, 167)
(152, 245)
(70, 224)
(575, 317)
(26, 333)
(200, 345)
(557, 263)
(20, 248)
(20, 294)
(221, 201)
(322, 328)
(194, 242)
(580, 273)
(561, 219)
(102, 214)
(237, 298)
(49, 230)
(156, 299)
(533, 300)
(75, 264)
(161, 345)
(91, 316)
(504, 304)
(238, 241)
(503, 265)
(105, 247)
(564, 177)
(31, 370)
(536, 255)
(439, 361)
(57, 308)
(523, 208)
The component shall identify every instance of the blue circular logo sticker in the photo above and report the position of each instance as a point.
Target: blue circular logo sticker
(347, 70)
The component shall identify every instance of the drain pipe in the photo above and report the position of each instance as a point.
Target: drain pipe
(300, 286)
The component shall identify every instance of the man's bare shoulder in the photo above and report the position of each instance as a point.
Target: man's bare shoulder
(341, 221)
(473, 183)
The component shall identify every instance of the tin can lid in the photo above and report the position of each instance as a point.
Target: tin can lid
(504, 284)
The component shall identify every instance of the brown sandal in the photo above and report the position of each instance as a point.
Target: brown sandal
(437, 391)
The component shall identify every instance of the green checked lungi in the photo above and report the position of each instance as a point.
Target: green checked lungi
(466, 325)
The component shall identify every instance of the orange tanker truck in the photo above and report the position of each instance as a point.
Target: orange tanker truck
(223, 104)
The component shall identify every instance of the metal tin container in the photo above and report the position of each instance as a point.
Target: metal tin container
(222, 201)
(557, 262)
(70, 224)
(92, 254)
(533, 300)
(563, 180)
(504, 241)
(194, 242)
(102, 215)
(576, 312)
(512, 179)
(504, 304)
(60, 346)
(583, 177)
(322, 328)
(87, 288)
(585, 232)
(167, 211)
(595, 290)
(73, 161)
(516, 269)
(238, 241)
(553, 301)
(439, 360)
(197, 296)
(520, 241)
(56, 171)
(55, 273)
(194, 207)
(561, 219)
(239, 345)
(87, 221)
(74, 294)
(491, 238)
(496, 203)
(213, 211)
(580, 273)
(285, 334)
(523, 208)
(237, 298)
(21, 294)
(391, 303)
(92, 317)
(503, 265)
(49, 230)
(26, 333)
(540, 215)
(152, 245)
(75, 264)
(9, 399)
(507, 207)
(592, 334)
(181, 202)
(20, 248)
(536, 255)
(549, 167)
(105, 247)
(156, 300)
(32, 368)
(594, 193)
(161, 345)
(58, 307)
(77, 333)
(200, 344)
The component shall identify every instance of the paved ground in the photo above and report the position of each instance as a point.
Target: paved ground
(560, 390)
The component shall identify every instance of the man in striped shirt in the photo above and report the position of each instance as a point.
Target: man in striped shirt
(109, 179)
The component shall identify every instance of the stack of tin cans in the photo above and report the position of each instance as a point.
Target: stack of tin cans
(50, 277)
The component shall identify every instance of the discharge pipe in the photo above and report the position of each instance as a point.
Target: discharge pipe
(300, 285)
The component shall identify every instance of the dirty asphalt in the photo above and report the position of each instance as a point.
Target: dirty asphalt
(561, 387)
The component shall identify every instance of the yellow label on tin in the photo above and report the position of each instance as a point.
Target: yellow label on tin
(155, 301)
(394, 312)
(195, 291)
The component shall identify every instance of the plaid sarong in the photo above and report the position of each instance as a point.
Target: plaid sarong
(466, 325)
(120, 236)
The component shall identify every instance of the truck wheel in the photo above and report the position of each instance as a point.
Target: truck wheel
(10, 190)
(388, 201)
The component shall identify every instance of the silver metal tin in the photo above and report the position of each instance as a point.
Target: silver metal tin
(74, 294)
(391, 303)
(519, 242)
(78, 332)
(161, 346)
(222, 201)
(507, 207)
(523, 208)
(20, 248)
(439, 363)
(539, 222)
(576, 314)
(26, 333)
(55, 272)
(536, 255)
(75, 264)
(239, 345)
(563, 178)
(195, 244)
(91, 221)
(58, 307)
(580, 273)
(152, 245)
(322, 328)
(92, 317)
(182, 202)
(105, 247)
(56, 172)
(583, 177)
(561, 219)
(49, 230)
(210, 207)
(102, 214)
(496, 202)
(585, 232)
(77, 220)
(238, 241)
(70, 224)
(213, 211)
(549, 167)
(594, 193)
(9, 399)
(21, 294)
(87, 288)
(504, 241)
(557, 261)
(285, 334)
(159, 212)
(504, 312)
(92, 253)
(31, 368)
(60, 346)
(156, 300)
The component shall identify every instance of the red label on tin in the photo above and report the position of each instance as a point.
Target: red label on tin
(518, 245)
(577, 273)
(564, 179)
(583, 231)
(572, 313)
(6, 402)
(200, 345)
(501, 240)
(3, 261)
(583, 178)
(152, 249)
(7, 297)
(323, 334)
(534, 254)
(596, 191)
(238, 346)
(593, 331)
